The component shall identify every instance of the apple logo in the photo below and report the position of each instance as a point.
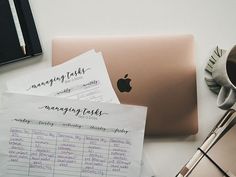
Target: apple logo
(123, 84)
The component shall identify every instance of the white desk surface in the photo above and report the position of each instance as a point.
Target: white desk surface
(212, 23)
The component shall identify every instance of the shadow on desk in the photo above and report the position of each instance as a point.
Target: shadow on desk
(172, 139)
(20, 64)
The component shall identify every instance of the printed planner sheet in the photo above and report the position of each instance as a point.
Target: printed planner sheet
(84, 77)
(55, 137)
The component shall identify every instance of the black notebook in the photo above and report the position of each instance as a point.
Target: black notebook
(10, 47)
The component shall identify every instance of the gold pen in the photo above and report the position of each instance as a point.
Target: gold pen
(213, 136)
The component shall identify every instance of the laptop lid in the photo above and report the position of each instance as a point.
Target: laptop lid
(154, 71)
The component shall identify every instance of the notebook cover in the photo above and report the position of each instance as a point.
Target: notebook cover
(10, 49)
(223, 153)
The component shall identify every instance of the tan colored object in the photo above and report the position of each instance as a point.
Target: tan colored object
(162, 73)
(222, 153)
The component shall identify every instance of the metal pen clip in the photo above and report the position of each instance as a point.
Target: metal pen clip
(230, 174)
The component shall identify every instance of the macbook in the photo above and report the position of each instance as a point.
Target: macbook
(154, 71)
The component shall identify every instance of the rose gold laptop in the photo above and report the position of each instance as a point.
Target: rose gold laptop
(155, 71)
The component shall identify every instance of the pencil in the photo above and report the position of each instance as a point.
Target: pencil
(18, 26)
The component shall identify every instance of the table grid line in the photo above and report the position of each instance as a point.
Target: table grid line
(108, 156)
(30, 152)
(55, 156)
(82, 157)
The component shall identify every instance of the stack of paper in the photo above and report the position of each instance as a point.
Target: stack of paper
(84, 77)
(55, 137)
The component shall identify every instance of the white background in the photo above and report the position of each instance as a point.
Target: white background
(212, 22)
